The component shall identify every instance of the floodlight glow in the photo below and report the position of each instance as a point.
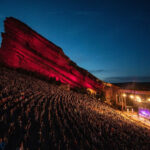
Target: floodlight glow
(132, 96)
(138, 99)
(124, 95)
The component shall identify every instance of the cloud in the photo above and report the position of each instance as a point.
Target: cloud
(128, 79)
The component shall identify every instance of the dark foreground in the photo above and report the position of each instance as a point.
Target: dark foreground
(35, 115)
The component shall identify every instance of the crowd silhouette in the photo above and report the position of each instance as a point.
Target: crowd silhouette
(36, 115)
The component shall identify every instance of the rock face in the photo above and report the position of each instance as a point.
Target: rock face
(26, 49)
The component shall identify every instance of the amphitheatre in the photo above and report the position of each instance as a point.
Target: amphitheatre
(43, 104)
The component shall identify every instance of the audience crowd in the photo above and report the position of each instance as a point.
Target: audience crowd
(36, 115)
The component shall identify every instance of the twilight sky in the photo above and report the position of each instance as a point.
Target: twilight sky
(109, 38)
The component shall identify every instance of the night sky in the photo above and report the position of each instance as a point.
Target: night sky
(109, 38)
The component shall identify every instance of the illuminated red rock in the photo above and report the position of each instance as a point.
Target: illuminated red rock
(26, 49)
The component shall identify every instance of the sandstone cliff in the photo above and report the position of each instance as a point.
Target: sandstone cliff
(24, 48)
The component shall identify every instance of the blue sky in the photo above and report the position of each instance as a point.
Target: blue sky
(109, 38)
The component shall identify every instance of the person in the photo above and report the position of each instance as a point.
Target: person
(21, 147)
(2, 144)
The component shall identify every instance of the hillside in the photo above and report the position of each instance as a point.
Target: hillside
(24, 48)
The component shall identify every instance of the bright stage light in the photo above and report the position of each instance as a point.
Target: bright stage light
(144, 113)
(148, 99)
(138, 98)
(132, 96)
(124, 95)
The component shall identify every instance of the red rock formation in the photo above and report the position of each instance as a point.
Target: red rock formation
(24, 48)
